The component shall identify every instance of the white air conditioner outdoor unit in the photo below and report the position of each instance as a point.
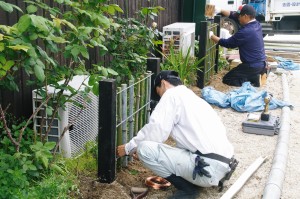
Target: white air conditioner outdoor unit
(181, 36)
(85, 127)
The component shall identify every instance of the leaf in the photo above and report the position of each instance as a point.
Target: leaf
(19, 47)
(31, 9)
(49, 110)
(8, 65)
(2, 73)
(95, 88)
(2, 47)
(40, 23)
(23, 23)
(2, 60)
(33, 36)
(117, 8)
(104, 72)
(57, 169)
(39, 72)
(69, 24)
(6, 6)
(79, 49)
(17, 8)
(104, 21)
(1, 37)
(49, 145)
(45, 162)
(111, 71)
(59, 40)
(32, 167)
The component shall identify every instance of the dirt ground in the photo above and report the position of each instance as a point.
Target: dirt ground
(248, 147)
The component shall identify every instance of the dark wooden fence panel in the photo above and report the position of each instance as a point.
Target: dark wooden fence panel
(21, 102)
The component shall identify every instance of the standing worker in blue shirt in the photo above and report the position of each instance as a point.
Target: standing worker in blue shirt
(249, 40)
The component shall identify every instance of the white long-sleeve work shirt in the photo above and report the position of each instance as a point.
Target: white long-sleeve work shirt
(189, 120)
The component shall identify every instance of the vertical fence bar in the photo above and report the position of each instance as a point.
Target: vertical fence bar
(137, 106)
(149, 95)
(202, 53)
(107, 131)
(119, 128)
(130, 111)
(217, 20)
(124, 119)
(142, 102)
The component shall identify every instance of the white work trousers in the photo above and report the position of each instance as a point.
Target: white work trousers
(165, 160)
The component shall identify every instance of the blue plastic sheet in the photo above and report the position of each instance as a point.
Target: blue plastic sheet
(286, 64)
(244, 99)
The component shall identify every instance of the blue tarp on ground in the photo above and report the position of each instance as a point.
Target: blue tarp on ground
(244, 99)
(286, 64)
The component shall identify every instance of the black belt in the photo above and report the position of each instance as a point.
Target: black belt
(215, 157)
(231, 162)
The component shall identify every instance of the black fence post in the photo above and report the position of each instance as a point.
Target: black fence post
(153, 65)
(217, 20)
(107, 131)
(202, 53)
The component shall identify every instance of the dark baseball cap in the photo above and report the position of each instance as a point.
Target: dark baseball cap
(163, 75)
(246, 10)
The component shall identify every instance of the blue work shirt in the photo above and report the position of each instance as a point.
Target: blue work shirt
(249, 40)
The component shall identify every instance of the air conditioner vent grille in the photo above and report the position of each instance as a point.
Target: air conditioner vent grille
(85, 128)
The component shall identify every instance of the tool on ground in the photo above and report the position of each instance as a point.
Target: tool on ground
(199, 168)
(261, 127)
(266, 124)
(138, 192)
(265, 116)
(157, 182)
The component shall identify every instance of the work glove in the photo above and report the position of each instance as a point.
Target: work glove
(210, 34)
(199, 168)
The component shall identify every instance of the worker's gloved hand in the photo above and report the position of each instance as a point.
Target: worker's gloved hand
(210, 34)
(199, 168)
(217, 10)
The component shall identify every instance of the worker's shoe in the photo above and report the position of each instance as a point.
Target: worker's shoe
(186, 190)
(255, 80)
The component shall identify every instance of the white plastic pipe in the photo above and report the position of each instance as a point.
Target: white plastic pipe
(234, 189)
(273, 187)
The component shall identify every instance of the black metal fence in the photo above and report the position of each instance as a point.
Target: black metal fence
(209, 50)
(123, 111)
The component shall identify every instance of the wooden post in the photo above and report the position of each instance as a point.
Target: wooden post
(107, 131)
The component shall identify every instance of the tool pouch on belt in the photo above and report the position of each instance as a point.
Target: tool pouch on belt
(199, 168)
(233, 164)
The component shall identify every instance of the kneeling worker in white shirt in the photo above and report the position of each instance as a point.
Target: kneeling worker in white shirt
(202, 157)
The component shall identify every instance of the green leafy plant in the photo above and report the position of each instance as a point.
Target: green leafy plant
(130, 42)
(185, 64)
